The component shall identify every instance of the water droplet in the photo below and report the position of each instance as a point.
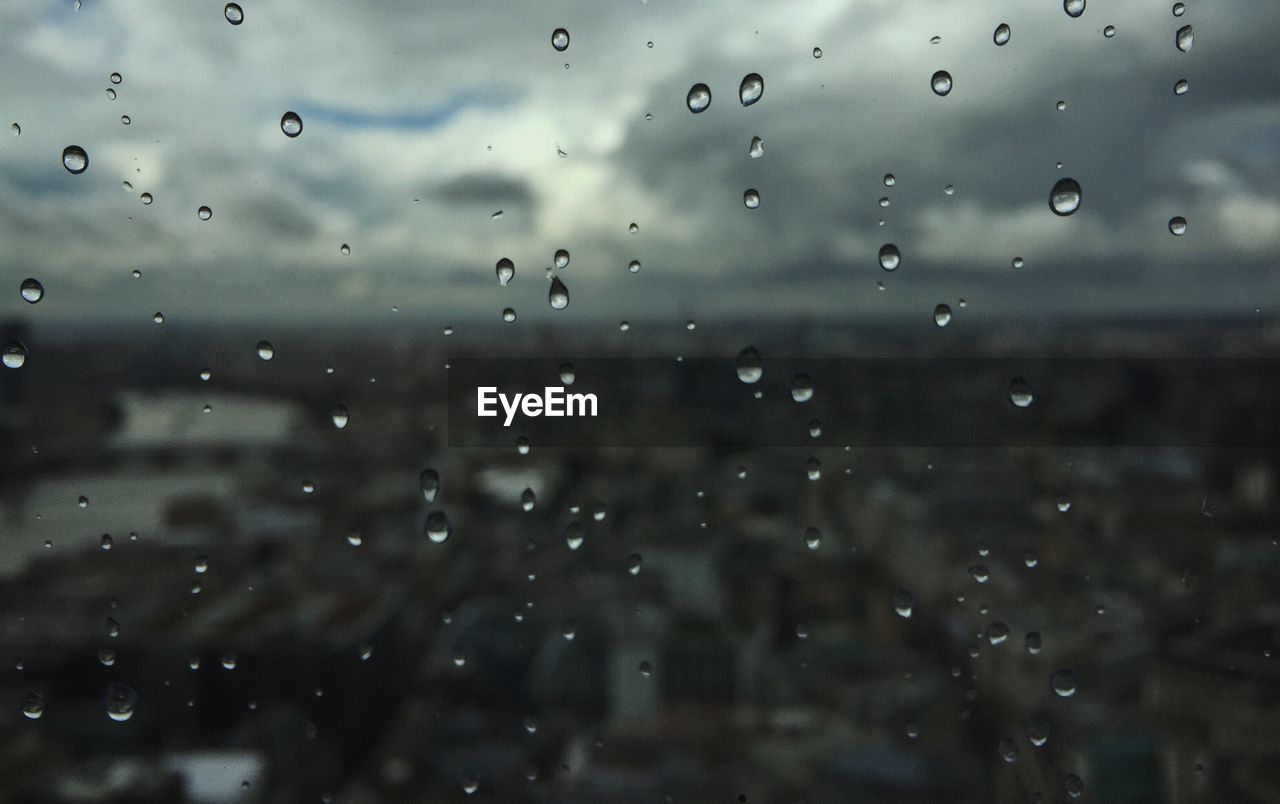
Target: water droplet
(1030, 559)
(111, 94)
(33, 705)
(890, 180)
(562, 259)
(228, 661)
(573, 535)
(1074, 8)
(558, 295)
(31, 290)
(265, 350)
(1109, 31)
(634, 266)
(1065, 197)
(757, 148)
(1007, 749)
(890, 257)
(120, 701)
(429, 482)
(74, 159)
(817, 52)
(751, 199)
(634, 562)
(124, 118)
(204, 213)
(14, 355)
(505, 269)
(942, 315)
(527, 500)
(560, 39)
(1061, 106)
(567, 374)
(699, 98)
(1017, 262)
(812, 538)
(1074, 786)
(291, 124)
(106, 657)
(1020, 393)
(1178, 226)
(751, 89)
(1064, 682)
(750, 368)
(146, 199)
(233, 13)
(1179, 9)
(997, 633)
(980, 573)
(1002, 34)
(1181, 87)
(941, 83)
(1184, 38)
(437, 527)
(509, 315)
(340, 416)
(645, 668)
(522, 445)
(801, 388)
(1038, 731)
(106, 542)
(904, 603)
(116, 78)
(569, 630)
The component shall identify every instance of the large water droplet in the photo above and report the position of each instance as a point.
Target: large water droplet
(1038, 731)
(1020, 393)
(1002, 34)
(757, 148)
(1179, 9)
(750, 368)
(751, 88)
(1178, 226)
(904, 603)
(204, 213)
(31, 290)
(291, 124)
(340, 416)
(120, 701)
(429, 482)
(1184, 38)
(437, 527)
(801, 388)
(1065, 197)
(562, 258)
(1181, 87)
(941, 82)
(233, 13)
(751, 199)
(33, 705)
(699, 98)
(560, 39)
(1074, 786)
(812, 538)
(14, 355)
(942, 315)
(558, 295)
(74, 159)
(265, 350)
(505, 269)
(509, 315)
(1064, 682)
(890, 257)
(1074, 8)
(573, 535)
(527, 500)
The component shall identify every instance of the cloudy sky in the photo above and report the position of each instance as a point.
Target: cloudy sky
(422, 120)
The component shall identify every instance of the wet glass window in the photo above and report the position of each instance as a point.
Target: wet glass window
(639, 402)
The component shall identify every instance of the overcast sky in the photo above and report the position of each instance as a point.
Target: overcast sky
(421, 120)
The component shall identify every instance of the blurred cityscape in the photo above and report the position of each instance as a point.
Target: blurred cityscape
(213, 592)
